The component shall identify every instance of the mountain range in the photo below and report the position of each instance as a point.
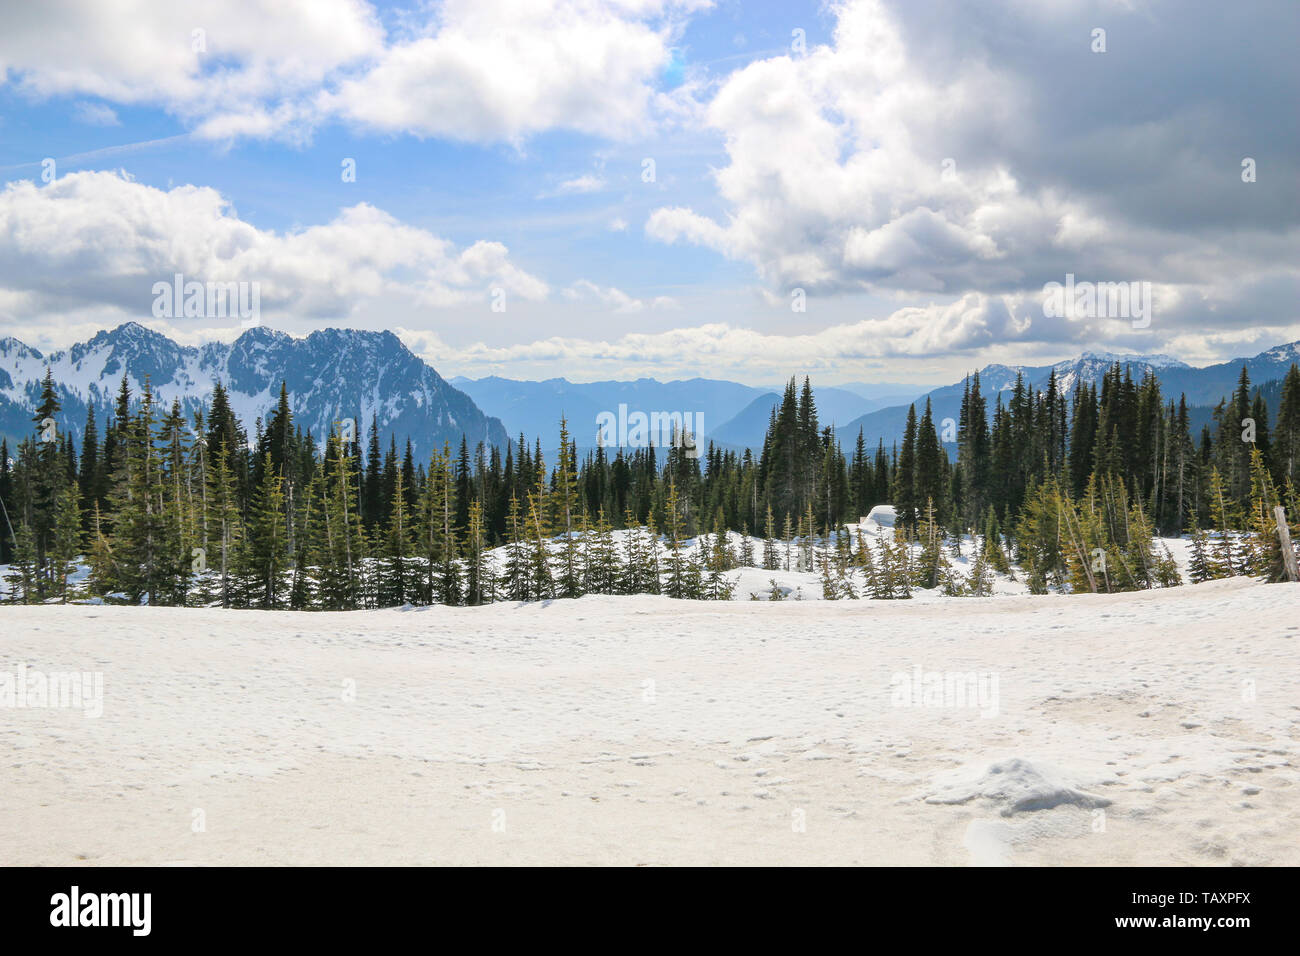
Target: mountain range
(331, 375)
(1204, 387)
(334, 374)
(535, 408)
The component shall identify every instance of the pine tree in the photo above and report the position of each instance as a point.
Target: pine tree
(678, 584)
(100, 559)
(1140, 558)
(991, 545)
(871, 576)
(564, 501)
(449, 589)
(302, 586)
(1198, 567)
(140, 540)
(543, 584)
(1038, 538)
(636, 575)
(336, 551)
(477, 568)
(1286, 435)
(930, 477)
(66, 544)
(904, 490)
(601, 562)
(933, 564)
(717, 586)
(787, 538)
(397, 586)
(720, 558)
(1085, 545)
(1264, 548)
(654, 571)
(746, 558)
(22, 574)
(1224, 563)
(896, 568)
(89, 484)
(48, 479)
(518, 576)
(981, 578)
(264, 558)
(771, 557)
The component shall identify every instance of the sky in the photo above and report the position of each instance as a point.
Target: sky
(861, 191)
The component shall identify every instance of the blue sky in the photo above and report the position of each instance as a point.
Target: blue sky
(918, 170)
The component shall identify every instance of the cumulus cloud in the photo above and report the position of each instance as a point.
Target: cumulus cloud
(505, 69)
(939, 149)
(100, 238)
(194, 59)
(472, 70)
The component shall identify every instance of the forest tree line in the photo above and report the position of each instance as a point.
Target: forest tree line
(175, 510)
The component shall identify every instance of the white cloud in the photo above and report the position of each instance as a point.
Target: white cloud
(473, 70)
(616, 299)
(831, 184)
(582, 184)
(722, 350)
(245, 53)
(909, 156)
(937, 341)
(503, 70)
(95, 114)
(96, 238)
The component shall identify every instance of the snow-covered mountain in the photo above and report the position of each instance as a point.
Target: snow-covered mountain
(1088, 367)
(335, 373)
(332, 374)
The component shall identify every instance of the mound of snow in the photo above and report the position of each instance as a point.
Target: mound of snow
(882, 516)
(1014, 786)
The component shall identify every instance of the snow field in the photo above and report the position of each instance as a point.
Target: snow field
(1145, 728)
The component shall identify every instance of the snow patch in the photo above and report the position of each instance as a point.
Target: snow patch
(1013, 786)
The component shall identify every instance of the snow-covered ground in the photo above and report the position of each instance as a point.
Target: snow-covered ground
(1156, 727)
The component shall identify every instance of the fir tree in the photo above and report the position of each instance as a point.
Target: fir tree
(564, 501)
(746, 558)
(264, 557)
(478, 570)
(771, 557)
(518, 576)
(66, 543)
(396, 585)
(543, 585)
(1198, 567)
